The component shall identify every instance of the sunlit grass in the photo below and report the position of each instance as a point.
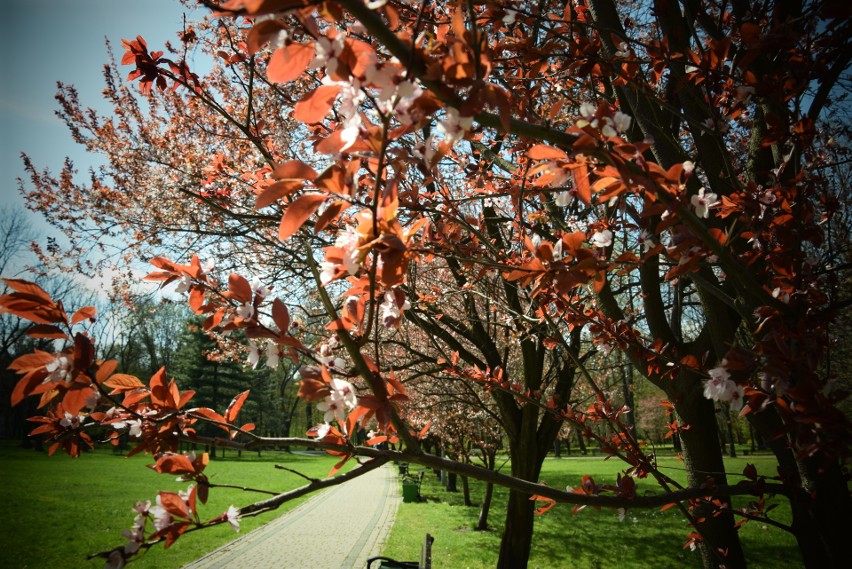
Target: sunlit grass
(591, 539)
(58, 510)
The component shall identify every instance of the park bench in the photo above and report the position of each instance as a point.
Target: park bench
(388, 563)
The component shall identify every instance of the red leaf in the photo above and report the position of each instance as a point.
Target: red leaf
(159, 387)
(208, 413)
(294, 170)
(235, 406)
(298, 213)
(545, 152)
(280, 315)
(580, 176)
(261, 33)
(87, 312)
(313, 107)
(239, 288)
(173, 504)
(105, 369)
(174, 464)
(289, 62)
(123, 382)
(274, 192)
(46, 331)
(75, 398)
(28, 288)
(330, 213)
(338, 466)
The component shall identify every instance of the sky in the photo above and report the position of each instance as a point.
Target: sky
(45, 41)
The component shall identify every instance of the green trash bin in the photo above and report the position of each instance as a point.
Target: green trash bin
(410, 491)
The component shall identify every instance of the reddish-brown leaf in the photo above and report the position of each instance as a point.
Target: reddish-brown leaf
(330, 213)
(173, 504)
(235, 406)
(289, 62)
(580, 176)
(274, 192)
(261, 33)
(174, 464)
(298, 213)
(123, 382)
(208, 413)
(46, 331)
(545, 152)
(313, 107)
(105, 369)
(280, 315)
(294, 170)
(239, 288)
(28, 288)
(87, 312)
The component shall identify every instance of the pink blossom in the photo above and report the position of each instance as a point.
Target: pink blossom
(232, 516)
(246, 311)
(391, 309)
(454, 126)
(253, 354)
(602, 238)
(327, 52)
(59, 369)
(703, 202)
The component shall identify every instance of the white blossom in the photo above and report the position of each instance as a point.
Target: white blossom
(59, 369)
(602, 238)
(327, 52)
(703, 202)
(232, 516)
(454, 126)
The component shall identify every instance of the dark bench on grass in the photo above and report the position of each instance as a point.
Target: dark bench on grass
(388, 563)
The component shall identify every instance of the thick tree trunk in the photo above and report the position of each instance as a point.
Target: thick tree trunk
(451, 482)
(516, 543)
(821, 521)
(703, 459)
(824, 539)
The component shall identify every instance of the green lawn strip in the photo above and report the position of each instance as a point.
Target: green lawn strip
(60, 509)
(590, 539)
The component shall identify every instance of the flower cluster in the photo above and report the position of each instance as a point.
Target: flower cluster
(719, 387)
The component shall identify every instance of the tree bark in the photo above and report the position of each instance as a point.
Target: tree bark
(482, 523)
(466, 491)
(703, 459)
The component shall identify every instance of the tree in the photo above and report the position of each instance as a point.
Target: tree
(524, 184)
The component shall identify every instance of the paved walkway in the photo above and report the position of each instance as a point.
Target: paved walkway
(339, 528)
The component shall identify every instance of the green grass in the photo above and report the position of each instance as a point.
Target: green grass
(58, 509)
(589, 540)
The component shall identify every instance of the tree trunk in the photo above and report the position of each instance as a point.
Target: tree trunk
(517, 535)
(451, 482)
(729, 424)
(482, 523)
(821, 520)
(581, 442)
(516, 543)
(824, 540)
(466, 491)
(703, 459)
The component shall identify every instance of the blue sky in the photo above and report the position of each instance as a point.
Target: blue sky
(45, 41)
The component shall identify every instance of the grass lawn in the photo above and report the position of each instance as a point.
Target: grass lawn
(59, 509)
(589, 540)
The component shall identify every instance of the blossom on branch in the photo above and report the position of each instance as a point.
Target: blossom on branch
(703, 202)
